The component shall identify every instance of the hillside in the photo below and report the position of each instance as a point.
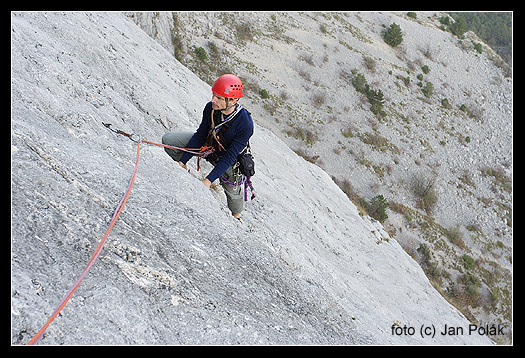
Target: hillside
(304, 267)
(439, 150)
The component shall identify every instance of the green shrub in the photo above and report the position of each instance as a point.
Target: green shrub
(201, 54)
(393, 35)
(359, 83)
(471, 284)
(377, 208)
(425, 253)
(423, 188)
(370, 63)
(468, 262)
(445, 103)
(459, 27)
(375, 97)
(430, 267)
(406, 80)
(264, 93)
(445, 20)
(478, 47)
(376, 100)
(428, 90)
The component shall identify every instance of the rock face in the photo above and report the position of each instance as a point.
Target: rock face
(299, 68)
(303, 268)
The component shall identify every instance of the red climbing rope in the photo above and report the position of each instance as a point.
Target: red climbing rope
(201, 152)
(97, 252)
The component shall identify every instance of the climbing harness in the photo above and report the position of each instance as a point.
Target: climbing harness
(214, 133)
(202, 152)
(247, 184)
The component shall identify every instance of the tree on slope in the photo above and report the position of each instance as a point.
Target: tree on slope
(393, 35)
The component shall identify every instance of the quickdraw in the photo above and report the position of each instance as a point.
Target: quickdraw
(118, 131)
(201, 152)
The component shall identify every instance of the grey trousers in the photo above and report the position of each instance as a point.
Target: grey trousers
(234, 194)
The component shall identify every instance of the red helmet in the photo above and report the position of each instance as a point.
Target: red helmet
(228, 86)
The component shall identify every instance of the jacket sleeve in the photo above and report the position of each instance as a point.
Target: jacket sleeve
(200, 136)
(243, 132)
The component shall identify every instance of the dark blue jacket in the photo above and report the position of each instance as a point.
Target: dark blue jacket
(234, 139)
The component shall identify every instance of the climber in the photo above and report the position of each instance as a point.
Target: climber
(229, 133)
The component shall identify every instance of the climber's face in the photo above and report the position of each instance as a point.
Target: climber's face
(219, 103)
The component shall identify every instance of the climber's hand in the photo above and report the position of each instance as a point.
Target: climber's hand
(206, 182)
(183, 165)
